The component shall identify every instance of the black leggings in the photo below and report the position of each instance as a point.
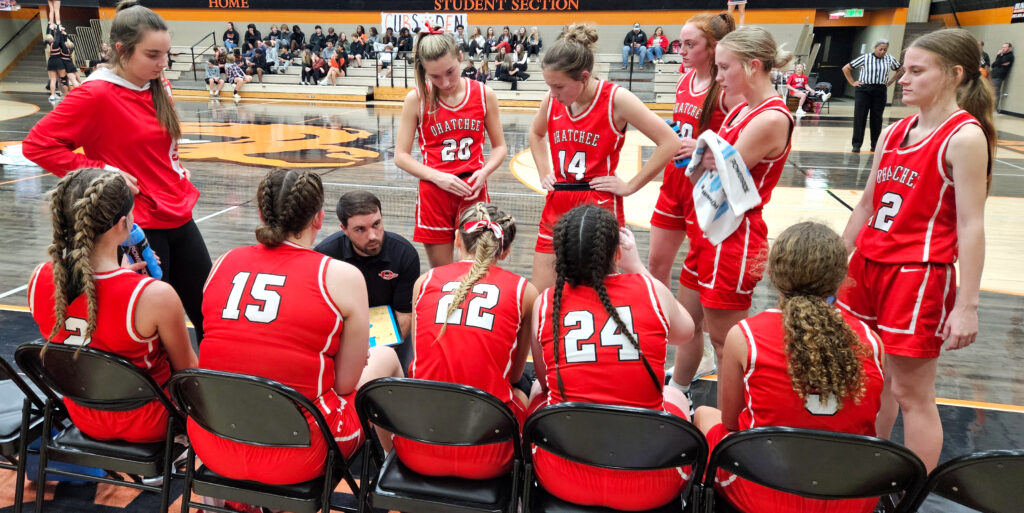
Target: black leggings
(186, 264)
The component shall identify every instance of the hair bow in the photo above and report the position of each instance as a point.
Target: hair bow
(487, 224)
(433, 30)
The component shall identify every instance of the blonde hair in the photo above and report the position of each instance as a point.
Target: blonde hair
(485, 246)
(130, 24)
(288, 200)
(431, 47)
(573, 51)
(756, 44)
(713, 27)
(974, 94)
(84, 205)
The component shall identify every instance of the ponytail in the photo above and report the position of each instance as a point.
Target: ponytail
(431, 46)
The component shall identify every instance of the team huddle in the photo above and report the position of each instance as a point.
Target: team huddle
(594, 316)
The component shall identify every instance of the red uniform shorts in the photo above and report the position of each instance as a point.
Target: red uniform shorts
(675, 200)
(626, 490)
(751, 498)
(557, 203)
(288, 465)
(437, 212)
(472, 462)
(725, 275)
(906, 304)
(145, 424)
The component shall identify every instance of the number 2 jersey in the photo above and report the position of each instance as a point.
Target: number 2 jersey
(915, 206)
(117, 294)
(452, 136)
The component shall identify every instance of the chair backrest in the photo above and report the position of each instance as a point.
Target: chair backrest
(8, 372)
(438, 413)
(616, 437)
(819, 464)
(991, 482)
(823, 86)
(90, 377)
(246, 409)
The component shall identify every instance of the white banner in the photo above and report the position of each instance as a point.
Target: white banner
(398, 20)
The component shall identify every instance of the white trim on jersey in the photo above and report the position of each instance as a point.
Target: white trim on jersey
(465, 97)
(926, 252)
(666, 214)
(690, 87)
(111, 274)
(419, 297)
(916, 146)
(520, 287)
(653, 296)
(129, 322)
(876, 347)
(917, 305)
(32, 288)
(752, 356)
(321, 279)
(541, 321)
(611, 115)
(593, 101)
(483, 96)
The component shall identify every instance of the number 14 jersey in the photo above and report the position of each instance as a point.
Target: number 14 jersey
(585, 146)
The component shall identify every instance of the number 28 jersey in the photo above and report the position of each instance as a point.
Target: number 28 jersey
(585, 146)
(452, 137)
(914, 202)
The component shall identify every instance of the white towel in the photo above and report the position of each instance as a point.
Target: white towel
(720, 199)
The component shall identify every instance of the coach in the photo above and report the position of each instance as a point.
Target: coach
(871, 90)
(389, 263)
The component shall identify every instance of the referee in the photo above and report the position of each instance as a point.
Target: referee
(871, 90)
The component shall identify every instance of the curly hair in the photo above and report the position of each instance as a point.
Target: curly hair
(287, 200)
(84, 205)
(807, 264)
(485, 247)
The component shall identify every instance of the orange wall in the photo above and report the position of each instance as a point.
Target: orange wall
(997, 16)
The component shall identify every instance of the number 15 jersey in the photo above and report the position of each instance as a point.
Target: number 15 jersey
(585, 146)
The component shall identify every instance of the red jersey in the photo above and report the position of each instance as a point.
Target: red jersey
(480, 338)
(915, 204)
(122, 132)
(585, 146)
(767, 172)
(689, 106)
(797, 82)
(771, 401)
(117, 294)
(452, 137)
(592, 348)
(267, 313)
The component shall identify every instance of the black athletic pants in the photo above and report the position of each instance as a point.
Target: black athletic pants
(186, 264)
(869, 98)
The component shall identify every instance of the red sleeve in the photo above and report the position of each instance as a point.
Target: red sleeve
(52, 141)
(790, 81)
(664, 43)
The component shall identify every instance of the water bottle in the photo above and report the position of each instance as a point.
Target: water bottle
(677, 128)
(137, 248)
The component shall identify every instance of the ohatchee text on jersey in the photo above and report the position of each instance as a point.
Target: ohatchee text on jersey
(452, 125)
(576, 136)
(898, 174)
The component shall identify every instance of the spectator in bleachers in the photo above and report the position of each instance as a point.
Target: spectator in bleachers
(260, 64)
(499, 58)
(314, 340)
(506, 70)
(213, 81)
(222, 58)
(504, 40)
(484, 72)
(236, 75)
(230, 37)
(657, 45)
(104, 57)
(284, 39)
(534, 43)
(356, 49)
(310, 75)
(271, 48)
(460, 38)
(331, 36)
(384, 61)
(490, 356)
(806, 364)
(343, 43)
(337, 68)
(373, 37)
(389, 37)
(522, 60)
(520, 37)
(317, 41)
(284, 59)
(250, 38)
(491, 40)
(634, 42)
(328, 50)
(360, 33)
(404, 40)
(470, 71)
(298, 38)
(477, 44)
(273, 33)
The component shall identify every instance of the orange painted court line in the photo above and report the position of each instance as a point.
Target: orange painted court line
(21, 179)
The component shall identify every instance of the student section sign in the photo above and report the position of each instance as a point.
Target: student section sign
(461, 6)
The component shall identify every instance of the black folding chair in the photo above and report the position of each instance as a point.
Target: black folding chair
(816, 465)
(444, 414)
(104, 381)
(990, 482)
(261, 412)
(825, 88)
(613, 437)
(21, 421)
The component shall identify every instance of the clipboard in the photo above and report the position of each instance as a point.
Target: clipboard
(383, 327)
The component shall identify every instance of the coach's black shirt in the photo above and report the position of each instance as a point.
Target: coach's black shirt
(389, 275)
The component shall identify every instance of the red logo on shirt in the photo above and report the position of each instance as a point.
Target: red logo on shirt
(388, 274)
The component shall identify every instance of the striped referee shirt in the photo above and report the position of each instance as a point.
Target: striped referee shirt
(874, 70)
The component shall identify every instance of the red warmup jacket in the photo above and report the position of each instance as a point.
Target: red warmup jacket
(115, 124)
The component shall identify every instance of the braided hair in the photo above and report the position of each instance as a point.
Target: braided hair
(585, 240)
(287, 200)
(485, 246)
(85, 204)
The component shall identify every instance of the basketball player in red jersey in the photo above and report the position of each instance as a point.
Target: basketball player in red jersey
(132, 99)
(584, 120)
(449, 114)
(759, 128)
(83, 297)
(805, 364)
(700, 105)
(282, 311)
(472, 327)
(601, 338)
(922, 209)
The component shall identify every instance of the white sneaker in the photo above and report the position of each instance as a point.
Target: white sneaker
(322, 82)
(53, 97)
(237, 97)
(800, 113)
(211, 94)
(826, 96)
